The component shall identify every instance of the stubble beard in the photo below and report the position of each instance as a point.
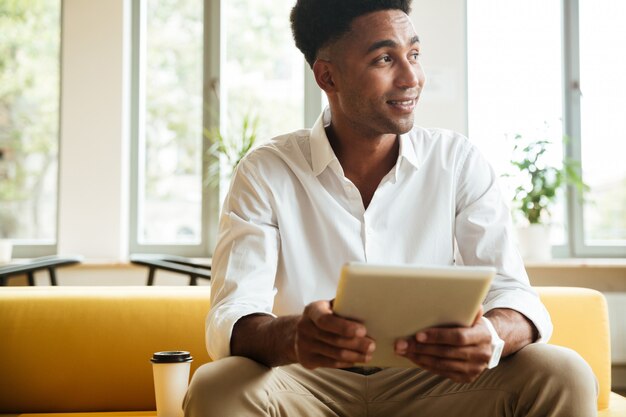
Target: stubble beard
(389, 125)
(373, 121)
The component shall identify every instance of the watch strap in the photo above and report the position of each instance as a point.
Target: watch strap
(497, 344)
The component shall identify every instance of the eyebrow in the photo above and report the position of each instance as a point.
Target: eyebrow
(388, 43)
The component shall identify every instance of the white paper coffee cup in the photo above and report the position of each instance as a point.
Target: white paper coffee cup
(170, 370)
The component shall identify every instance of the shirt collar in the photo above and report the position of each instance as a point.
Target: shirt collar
(407, 149)
(322, 153)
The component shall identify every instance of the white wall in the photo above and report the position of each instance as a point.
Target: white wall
(441, 26)
(94, 145)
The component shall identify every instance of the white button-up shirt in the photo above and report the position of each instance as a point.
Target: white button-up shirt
(291, 219)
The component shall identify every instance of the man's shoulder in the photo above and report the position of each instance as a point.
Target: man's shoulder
(437, 134)
(432, 141)
(289, 150)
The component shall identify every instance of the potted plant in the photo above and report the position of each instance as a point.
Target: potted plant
(539, 185)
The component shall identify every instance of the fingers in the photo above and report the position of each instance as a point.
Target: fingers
(352, 352)
(460, 364)
(475, 353)
(321, 314)
(458, 353)
(325, 339)
(454, 336)
(359, 344)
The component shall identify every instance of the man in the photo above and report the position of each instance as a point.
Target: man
(365, 184)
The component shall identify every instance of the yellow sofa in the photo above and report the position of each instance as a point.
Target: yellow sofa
(86, 350)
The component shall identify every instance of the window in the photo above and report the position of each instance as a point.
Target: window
(602, 37)
(169, 189)
(523, 78)
(29, 124)
(196, 64)
(264, 71)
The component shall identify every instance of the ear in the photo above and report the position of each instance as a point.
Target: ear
(324, 75)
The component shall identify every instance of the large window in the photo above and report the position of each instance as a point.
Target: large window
(29, 123)
(602, 38)
(170, 123)
(527, 65)
(201, 65)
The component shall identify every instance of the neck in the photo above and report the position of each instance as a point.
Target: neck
(363, 156)
(365, 160)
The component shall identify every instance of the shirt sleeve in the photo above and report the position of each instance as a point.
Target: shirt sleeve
(484, 236)
(245, 260)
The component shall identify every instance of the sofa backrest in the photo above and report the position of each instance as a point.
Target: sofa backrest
(72, 349)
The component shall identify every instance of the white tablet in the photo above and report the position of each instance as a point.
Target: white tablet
(399, 301)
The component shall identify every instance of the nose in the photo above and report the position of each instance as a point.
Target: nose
(409, 75)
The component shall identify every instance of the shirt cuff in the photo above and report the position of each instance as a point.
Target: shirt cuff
(527, 304)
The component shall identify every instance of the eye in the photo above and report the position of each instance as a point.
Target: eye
(383, 59)
(414, 56)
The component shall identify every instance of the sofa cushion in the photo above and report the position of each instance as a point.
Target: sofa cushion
(581, 322)
(80, 349)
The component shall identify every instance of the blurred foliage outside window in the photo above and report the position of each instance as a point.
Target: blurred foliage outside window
(262, 79)
(170, 180)
(29, 119)
(263, 76)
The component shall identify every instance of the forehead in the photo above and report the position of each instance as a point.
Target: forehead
(374, 27)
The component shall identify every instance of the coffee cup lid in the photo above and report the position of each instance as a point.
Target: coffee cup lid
(172, 356)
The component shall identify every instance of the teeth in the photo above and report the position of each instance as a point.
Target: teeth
(404, 103)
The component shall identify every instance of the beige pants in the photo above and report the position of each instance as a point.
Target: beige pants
(540, 380)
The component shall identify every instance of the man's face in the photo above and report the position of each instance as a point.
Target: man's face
(378, 77)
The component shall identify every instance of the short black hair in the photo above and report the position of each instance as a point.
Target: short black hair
(315, 23)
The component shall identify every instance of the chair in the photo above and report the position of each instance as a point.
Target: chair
(30, 266)
(172, 263)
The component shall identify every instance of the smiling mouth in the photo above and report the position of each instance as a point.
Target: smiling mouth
(402, 102)
(407, 104)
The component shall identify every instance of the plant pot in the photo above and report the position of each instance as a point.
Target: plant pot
(6, 251)
(534, 242)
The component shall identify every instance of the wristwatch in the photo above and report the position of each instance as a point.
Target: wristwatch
(497, 344)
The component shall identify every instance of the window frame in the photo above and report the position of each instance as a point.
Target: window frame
(213, 60)
(572, 117)
(33, 248)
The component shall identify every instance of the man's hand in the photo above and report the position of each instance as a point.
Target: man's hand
(458, 353)
(324, 339)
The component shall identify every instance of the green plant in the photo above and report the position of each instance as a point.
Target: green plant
(539, 180)
(233, 146)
